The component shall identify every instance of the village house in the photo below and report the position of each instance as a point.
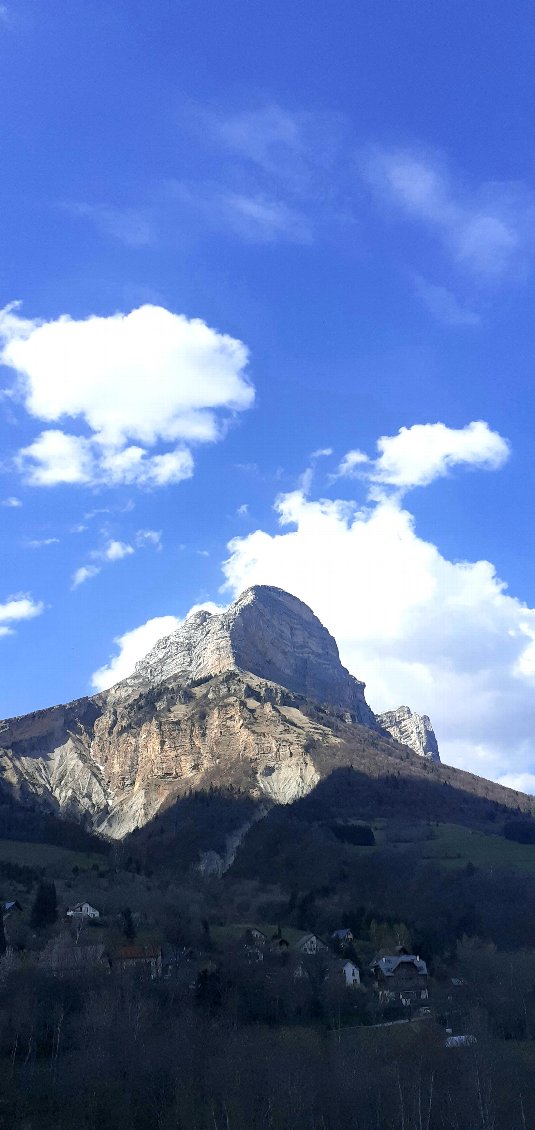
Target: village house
(146, 959)
(342, 937)
(254, 936)
(401, 977)
(11, 908)
(83, 910)
(350, 973)
(345, 971)
(310, 944)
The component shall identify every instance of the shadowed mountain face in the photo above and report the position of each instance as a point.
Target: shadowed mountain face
(254, 699)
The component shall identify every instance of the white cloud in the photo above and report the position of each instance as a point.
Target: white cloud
(134, 382)
(83, 574)
(243, 510)
(55, 457)
(443, 636)
(11, 502)
(111, 552)
(417, 455)
(116, 550)
(351, 465)
(149, 537)
(523, 782)
(487, 230)
(133, 645)
(21, 606)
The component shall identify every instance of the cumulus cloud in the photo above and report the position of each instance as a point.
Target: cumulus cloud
(417, 455)
(21, 606)
(134, 382)
(444, 636)
(133, 646)
(136, 643)
(486, 230)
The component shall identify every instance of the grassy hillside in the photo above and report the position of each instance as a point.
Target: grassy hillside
(55, 861)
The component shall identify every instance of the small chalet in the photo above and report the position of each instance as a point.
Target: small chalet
(11, 908)
(254, 937)
(342, 937)
(401, 977)
(310, 944)
(147, 959)
(83, 910)
(350, 973)
(345, 971)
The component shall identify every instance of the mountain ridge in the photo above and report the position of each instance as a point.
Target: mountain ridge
(193, 716)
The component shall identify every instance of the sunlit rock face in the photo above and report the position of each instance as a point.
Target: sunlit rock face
(269, 633)
(254, 699)
(414, 730)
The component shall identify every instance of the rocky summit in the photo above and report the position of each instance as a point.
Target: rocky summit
(414, 730)
(254, 698)
(269, 633)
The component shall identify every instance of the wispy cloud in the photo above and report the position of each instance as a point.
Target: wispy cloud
(12, 502)
(149, 537)
(111, 552)
(40, 543)
(280, 172)
(487, 229)
(131, 226)
(255, 216)
(443, 305)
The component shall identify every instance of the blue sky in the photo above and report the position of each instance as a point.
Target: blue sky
(240, 235)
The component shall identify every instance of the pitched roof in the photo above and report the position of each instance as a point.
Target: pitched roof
(139, 953)
(390, 963)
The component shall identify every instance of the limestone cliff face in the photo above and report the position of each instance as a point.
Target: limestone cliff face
(268, 632)
(255, 698)
(116, 762)
(414, 730)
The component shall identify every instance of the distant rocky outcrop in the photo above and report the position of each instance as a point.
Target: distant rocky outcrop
(269, 633)
(414, 730)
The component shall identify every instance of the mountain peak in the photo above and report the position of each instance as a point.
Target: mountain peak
(411, 729)
(270, 633)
